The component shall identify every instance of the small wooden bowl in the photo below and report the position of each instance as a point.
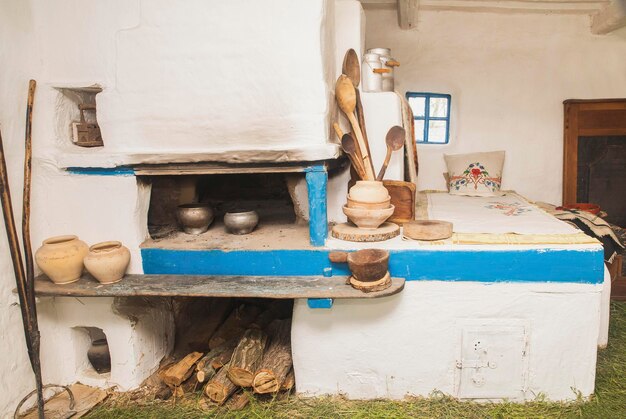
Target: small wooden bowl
(427, 230)
(366, 265)
(368, 205)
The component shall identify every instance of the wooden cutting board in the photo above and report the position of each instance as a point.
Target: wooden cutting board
(403, 198)
(352, 233)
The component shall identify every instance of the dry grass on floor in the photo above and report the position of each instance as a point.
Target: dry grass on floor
(609, 400)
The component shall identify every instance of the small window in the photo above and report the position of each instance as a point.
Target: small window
(432, 117)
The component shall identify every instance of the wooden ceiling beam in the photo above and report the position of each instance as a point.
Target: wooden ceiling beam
(407, 14)
(496, 6)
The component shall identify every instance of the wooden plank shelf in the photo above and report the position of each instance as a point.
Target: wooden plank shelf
(217, 168)
(213, 286)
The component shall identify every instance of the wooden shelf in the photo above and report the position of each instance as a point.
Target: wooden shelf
(213, 286)
(217, 168)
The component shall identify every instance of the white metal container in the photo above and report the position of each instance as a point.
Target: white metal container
(371, 74)
(388, 63)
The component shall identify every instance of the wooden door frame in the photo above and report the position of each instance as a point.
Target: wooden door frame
(574, 128)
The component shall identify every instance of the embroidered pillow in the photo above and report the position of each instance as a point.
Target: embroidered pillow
(476, 174)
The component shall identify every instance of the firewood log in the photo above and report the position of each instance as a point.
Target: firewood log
(234, 326)
(206, 367)
(206, 373)
(263, 319)
(222, 359)
(238, 401)
(180, 371)
(247, 357)
(277, 361)
(220, 388)
(196, 337)
(290, 381)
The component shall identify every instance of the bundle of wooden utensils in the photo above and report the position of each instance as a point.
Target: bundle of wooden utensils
(355, 144)
(369, 204)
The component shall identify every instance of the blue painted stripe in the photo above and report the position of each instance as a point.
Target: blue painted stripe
(537, 265)
(316, 180)
(102, 171)
(320, 302)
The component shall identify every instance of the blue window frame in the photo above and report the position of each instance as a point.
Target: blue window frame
(431, 112)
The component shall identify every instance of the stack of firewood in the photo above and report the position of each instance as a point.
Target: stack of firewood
(250, 349)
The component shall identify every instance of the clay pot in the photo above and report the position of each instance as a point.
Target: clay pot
(369, 205)
(107, 261)
(241, 222)
(61, 258)
(195, 218)
(368, 219)
(99, 356)
(366, 265)
(368, 191)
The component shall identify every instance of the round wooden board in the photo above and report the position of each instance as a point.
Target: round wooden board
(380, 285)
(352, 233)
(427, 230)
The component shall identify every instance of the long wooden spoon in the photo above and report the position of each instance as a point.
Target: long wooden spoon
(346, 98)
(395, 141)
(352, 69)
(349, 147)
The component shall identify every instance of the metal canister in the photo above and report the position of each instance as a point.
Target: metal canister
(371, 75)
(388, 63)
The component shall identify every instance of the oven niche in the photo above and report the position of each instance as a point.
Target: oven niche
(271, 196)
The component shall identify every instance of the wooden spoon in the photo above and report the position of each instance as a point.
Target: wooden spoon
(352, 69)
(395, 141)
(349, 147)
(346, 99)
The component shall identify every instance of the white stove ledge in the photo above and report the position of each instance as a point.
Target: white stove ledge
(88, 157)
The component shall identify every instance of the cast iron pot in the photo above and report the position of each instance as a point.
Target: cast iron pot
(195, 218)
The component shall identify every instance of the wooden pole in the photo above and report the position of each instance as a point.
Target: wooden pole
(29, 319)
(28, 250)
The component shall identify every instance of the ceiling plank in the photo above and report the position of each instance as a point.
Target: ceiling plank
(407, 14)
(610, 18)
(499, 6)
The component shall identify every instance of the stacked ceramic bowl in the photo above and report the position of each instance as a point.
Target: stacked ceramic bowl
(369, 204)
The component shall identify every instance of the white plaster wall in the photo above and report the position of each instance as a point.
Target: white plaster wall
(16, 39)
(508, 76)
(139, 333)
(209, 75)
(95, 208)
(409, 343)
